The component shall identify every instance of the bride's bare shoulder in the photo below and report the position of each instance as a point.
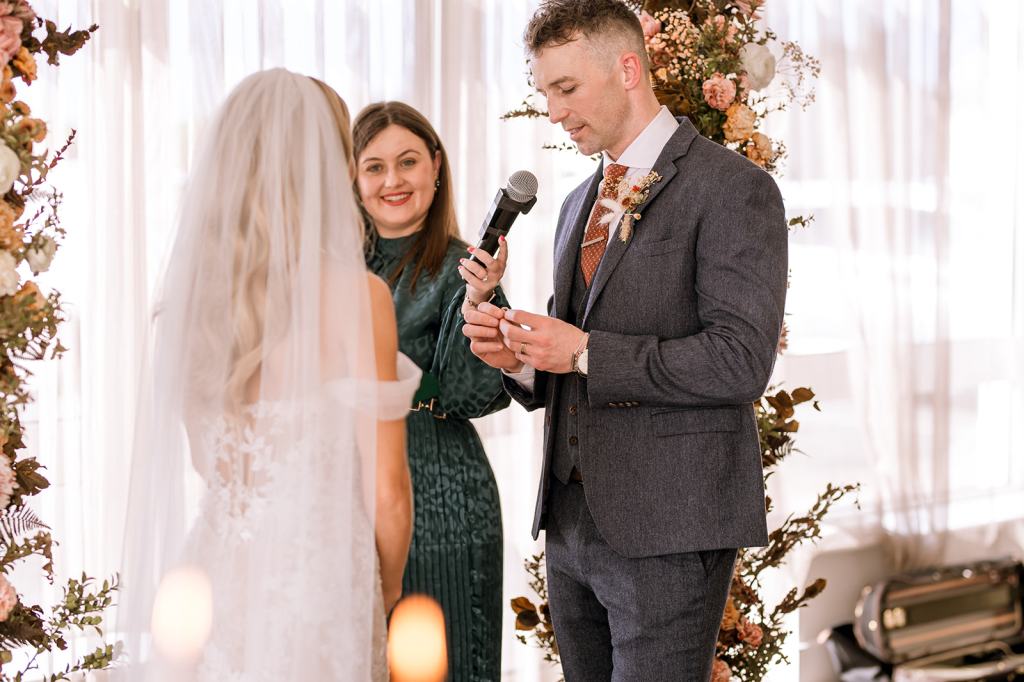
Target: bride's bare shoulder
(378, 287)
(385, 328)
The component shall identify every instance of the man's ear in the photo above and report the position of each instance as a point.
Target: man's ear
(632, 69)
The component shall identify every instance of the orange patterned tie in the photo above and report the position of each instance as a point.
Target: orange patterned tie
(596, 239)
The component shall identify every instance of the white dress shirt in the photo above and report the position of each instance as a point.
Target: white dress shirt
(639, 157)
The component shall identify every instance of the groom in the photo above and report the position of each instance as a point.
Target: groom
(661, 333)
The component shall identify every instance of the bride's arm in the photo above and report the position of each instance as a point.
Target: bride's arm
(394, 487)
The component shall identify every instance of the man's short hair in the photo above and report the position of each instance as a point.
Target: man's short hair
(557, 22)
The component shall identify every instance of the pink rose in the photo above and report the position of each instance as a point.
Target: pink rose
(719, 92)
(720, 672)
(650, 25)
(8, 598)
(24, 11)
(10, 34)
(750, 633)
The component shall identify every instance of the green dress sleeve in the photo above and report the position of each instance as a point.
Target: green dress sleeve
(469, 388)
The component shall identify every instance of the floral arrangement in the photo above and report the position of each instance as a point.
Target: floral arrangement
(712, 61)
(29, 237)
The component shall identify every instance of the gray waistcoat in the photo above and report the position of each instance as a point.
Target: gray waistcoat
(571, 392)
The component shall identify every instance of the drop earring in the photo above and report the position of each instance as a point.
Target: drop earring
(437, 183)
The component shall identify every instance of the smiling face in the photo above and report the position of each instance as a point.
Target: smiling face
(396, 177)
(585, 94)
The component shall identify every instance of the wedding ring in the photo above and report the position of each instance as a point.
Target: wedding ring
(484, 279)
(522, 348)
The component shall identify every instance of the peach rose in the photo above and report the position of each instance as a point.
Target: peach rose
(719, 92)
(720, 671)
(739, 123)
(759, 149)
(34, 128)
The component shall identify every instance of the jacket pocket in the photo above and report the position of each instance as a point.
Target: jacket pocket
(661, 246)
(671, 422)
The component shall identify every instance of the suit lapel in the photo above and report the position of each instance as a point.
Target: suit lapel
(568, 245)
(665, 166)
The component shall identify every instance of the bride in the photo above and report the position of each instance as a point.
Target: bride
(270, 453)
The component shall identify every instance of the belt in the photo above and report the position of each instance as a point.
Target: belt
(427, 395)
(575, 475)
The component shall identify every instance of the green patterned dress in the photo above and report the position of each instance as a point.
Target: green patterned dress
(456, 553)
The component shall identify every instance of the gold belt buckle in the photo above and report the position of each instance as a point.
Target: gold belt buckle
(429, 406)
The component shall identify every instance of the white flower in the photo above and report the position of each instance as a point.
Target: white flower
(759, 63)
(8, 481)
(10, 168)
(615, 211)
(8, 598)
(10, 280)
(39, 258)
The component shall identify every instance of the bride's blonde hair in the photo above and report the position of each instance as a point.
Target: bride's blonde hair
(250, 271)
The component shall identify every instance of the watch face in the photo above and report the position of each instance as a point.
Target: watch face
(582, 362)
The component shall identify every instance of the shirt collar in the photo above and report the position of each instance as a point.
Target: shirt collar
(645, 149)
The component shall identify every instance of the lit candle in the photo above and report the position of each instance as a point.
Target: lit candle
(182, 614)
(417, 650)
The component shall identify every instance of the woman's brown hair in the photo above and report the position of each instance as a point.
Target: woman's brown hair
(431, 243)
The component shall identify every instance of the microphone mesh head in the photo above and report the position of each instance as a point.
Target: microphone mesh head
(522, 185)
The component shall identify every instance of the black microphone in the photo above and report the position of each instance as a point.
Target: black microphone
(517, 197)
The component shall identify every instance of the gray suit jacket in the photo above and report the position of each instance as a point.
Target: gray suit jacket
(684, 320)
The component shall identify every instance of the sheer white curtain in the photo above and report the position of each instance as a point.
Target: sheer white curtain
(907, 302)
(907, 314)
(141, 91)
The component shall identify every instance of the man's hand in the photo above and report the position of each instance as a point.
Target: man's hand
(546, 343)
(481, 329)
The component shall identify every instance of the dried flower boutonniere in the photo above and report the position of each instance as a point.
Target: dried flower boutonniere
(632, 194)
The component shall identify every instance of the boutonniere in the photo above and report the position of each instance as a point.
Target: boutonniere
(631, 194)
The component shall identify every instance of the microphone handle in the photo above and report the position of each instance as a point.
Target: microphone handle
(504, 211)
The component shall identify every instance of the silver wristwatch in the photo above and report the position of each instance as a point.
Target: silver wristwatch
(579, 360)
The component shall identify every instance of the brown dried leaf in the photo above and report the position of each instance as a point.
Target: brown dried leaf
(522, 604)
(802, 395)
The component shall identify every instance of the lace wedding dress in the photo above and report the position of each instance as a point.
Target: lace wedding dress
(246, 486)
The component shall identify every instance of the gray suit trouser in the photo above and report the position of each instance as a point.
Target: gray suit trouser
(629, 620)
